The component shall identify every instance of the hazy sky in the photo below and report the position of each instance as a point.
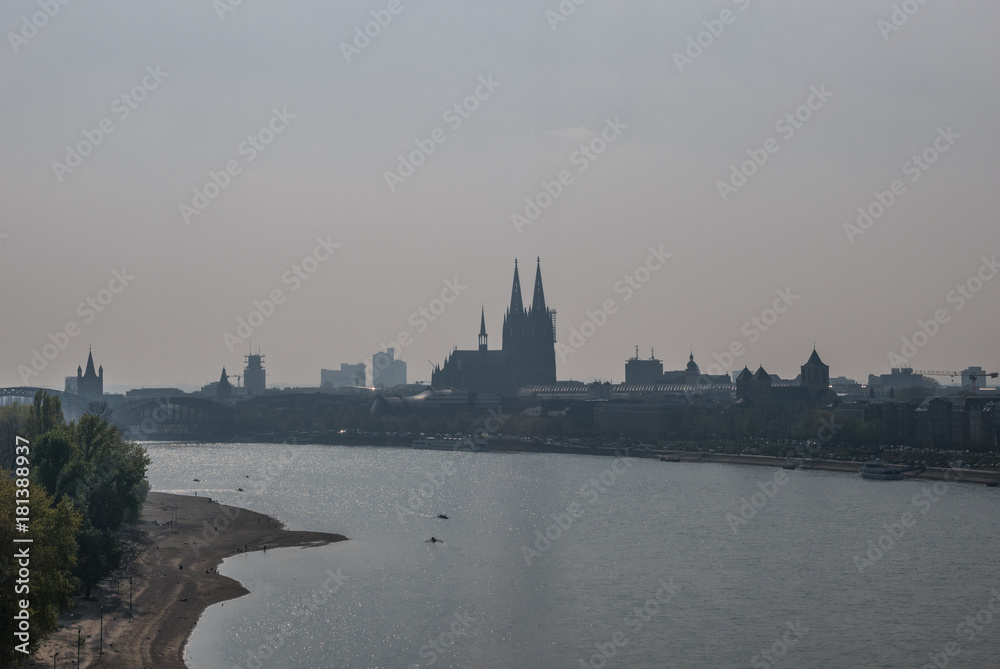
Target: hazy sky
(204, 83)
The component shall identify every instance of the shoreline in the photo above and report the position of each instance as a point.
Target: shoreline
(179, 584)
(974, 476)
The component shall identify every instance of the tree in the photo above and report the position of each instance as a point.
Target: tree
(91, 464)
(13, 420)
(53, 528)
(45, 415)
(110, 488)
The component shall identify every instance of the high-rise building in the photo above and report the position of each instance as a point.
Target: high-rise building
(348, 376)
(388, 372)
(254, 375)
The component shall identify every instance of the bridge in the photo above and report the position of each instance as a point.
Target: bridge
(146, 418)
(73, 405)
(174, 417)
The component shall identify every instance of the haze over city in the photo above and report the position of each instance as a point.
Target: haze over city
(639, 140)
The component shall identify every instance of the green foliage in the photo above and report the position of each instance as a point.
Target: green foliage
(45, 415)
(104, 476)
(13, 420)
(52, 555)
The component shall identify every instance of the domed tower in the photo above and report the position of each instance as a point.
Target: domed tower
(691, 372)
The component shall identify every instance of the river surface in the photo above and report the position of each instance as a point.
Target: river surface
(646, 563)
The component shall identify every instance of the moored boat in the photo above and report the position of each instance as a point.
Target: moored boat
(882, 471)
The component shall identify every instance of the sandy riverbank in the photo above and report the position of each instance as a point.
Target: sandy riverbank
(168, 600)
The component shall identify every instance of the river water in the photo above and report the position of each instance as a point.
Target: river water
(583, 561)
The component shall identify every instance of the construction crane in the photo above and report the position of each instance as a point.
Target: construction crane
(973, 376)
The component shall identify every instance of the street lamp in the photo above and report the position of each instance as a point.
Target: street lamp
(102, 631)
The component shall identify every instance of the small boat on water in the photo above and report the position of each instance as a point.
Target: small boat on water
(442, 516)
(881, 471)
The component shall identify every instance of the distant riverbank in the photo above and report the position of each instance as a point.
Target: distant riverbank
(547, 445)
(930, 473)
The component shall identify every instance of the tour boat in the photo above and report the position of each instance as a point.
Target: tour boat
(877, 469)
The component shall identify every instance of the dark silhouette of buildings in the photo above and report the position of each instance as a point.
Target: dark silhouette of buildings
(813, 389)
(527, 355)
(650, 373)
(90, 384)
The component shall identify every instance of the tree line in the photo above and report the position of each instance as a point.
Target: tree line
(87, 487)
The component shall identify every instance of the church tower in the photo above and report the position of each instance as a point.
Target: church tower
(223, 391)
(515, 320)
(542, 344)
(482, 331)
(815, 375)
(90, 384)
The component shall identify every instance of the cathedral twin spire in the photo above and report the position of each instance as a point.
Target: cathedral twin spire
(537, 299)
